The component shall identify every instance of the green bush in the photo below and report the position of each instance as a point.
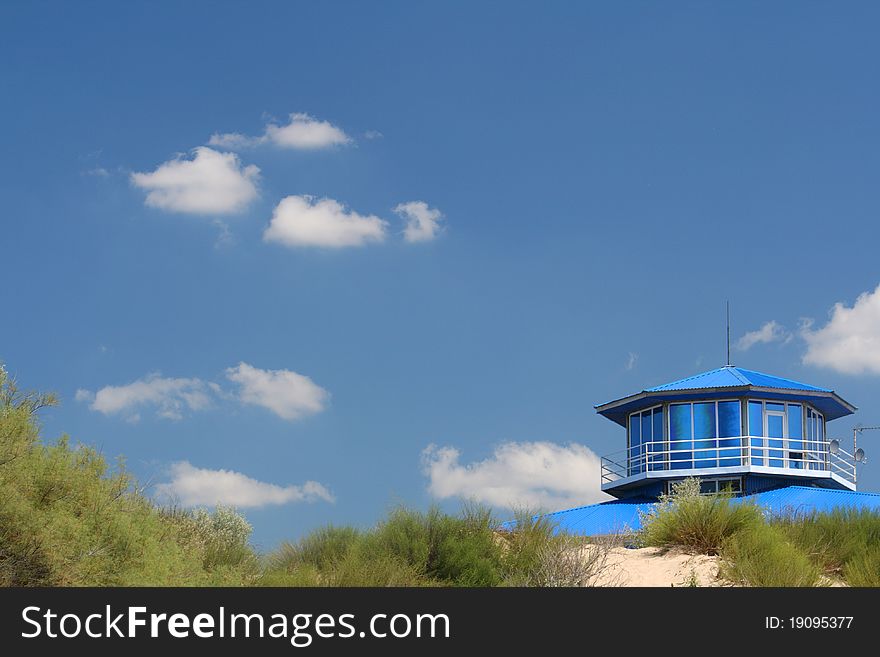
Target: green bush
(67, 519)
(763, 556)
(863, 569)
(701, 523)
(835, 540)
(537, 554)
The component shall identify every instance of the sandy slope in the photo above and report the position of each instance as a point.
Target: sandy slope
(654, 567)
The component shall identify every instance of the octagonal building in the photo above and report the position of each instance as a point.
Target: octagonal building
(734, 428)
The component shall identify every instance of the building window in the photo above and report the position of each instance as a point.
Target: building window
(646, 446)
(780, 439)
(815, 440)
(704, 435)
(713, 486)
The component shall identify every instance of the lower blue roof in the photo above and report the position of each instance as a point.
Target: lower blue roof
(622, 516)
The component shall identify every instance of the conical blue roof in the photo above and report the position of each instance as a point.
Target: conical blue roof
(728, 381)
(734, 377)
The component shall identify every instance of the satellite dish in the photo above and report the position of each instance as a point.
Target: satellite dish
(859, 456)
(834, 446)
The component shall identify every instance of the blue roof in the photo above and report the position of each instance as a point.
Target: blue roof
(723, 382)
(734, 377)
(622, 516)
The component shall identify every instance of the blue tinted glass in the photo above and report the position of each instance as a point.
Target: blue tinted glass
(704, 435)
(680, 422)
(680, 436)
(728, 419)
(635, 433)
(635, 430)
(756, 419)
(796, 434)
(704, 420)
(775, 431)
(658, 446)
(795, 421)
(646, 427)
(729, 429)
(776, 407)
(756, 428)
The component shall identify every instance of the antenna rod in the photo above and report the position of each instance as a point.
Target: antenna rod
(728, 332)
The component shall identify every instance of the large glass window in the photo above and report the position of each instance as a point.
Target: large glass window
(815, 440)
(729, 432)
(795, 436)
(681, 433)
(779, 438)
(645, 441)
(704, 434)
(756, 428)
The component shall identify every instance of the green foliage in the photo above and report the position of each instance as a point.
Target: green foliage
(412, 548)
(863, 569)
(763, 556)
(67, 519)
(843, 542)
(536, 554)
(702, 523)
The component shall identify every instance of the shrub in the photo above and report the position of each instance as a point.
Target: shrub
(836, 539)
(67, 519)
(763, 556)
(687, 519)
(863, 569)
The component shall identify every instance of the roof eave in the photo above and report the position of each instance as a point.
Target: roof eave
(609, 407)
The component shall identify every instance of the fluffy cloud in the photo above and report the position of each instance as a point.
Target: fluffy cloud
(536, 474)
(771, 331)
(303, 132)
(169, 397)
(303, 221)
(422, 222)
(287, 394)
(850, 341)
(192, 486)
(209, 183)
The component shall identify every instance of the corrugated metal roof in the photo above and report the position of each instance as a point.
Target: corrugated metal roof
(802, 499)
(614, 517)
(623, 516)
(726, 381)
(734, 377)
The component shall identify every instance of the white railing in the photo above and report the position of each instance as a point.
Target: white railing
(795, 456)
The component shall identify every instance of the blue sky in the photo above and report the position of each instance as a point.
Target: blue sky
(458, 225)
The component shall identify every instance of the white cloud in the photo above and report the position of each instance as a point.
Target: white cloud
(771, 331)
(209, 183)
(850, 341)
(83, 395)
(422, 222)
(631, 360)
(303, 221)
(373, 134)
(192, 486)
(287, 394)
(533, 474)
(303, 132)
(169, 397)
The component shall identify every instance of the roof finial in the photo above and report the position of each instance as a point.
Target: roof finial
(728, 332)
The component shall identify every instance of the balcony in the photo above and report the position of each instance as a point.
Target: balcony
(745, 454)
